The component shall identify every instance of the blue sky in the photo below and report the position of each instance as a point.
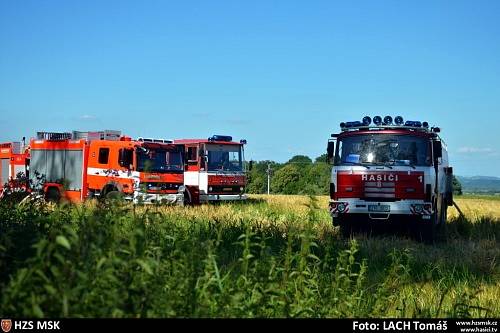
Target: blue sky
(281, 74)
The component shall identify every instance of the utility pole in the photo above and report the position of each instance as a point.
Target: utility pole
(268, 171)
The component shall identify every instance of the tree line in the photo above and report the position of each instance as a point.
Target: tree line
(299, 175)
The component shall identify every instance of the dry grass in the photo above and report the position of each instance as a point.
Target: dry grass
(285, 246)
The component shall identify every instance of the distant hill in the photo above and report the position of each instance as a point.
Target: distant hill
(480, 184)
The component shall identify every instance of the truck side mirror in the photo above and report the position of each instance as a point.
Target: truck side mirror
(250, 166)
(330, 150)
(437, 148)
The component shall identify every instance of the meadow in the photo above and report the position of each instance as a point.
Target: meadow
(275, 256)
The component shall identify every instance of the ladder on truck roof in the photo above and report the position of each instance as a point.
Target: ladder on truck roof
(53, 136)
(77, 135)
(98, 135)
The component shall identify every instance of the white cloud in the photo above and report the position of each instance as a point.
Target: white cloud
(475, 150)
(88, 117)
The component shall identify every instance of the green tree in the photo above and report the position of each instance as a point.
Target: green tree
(286, 180)
(457, 186)
(322, 158)
(318, 177)
(257, 177)
(302, 159)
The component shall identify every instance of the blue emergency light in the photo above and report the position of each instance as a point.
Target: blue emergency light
(411, 123)
(224, 138)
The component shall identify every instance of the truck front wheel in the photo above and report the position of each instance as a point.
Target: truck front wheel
(53, 195)
(346, 228)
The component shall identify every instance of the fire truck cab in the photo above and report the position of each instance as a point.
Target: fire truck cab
(82, 165)
(14, 160)
(214, 169)
(389, 173)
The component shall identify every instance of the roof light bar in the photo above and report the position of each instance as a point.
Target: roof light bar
(367, 121)
(386, 122)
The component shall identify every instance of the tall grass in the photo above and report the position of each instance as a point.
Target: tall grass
(273, 257)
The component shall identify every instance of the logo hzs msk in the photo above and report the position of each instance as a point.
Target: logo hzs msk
(6, 325)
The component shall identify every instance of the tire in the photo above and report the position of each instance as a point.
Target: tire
(187, 198)
(114, 195)
(427, 230)
(52, 195)
(346, 228)
(440, 233)
(426, 233)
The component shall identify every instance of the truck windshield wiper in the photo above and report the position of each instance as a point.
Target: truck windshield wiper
(382, 164)
(355, 163)
(411, 165)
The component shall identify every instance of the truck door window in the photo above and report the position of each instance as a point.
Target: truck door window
(103, 155)
(192, 154)
(125, 157)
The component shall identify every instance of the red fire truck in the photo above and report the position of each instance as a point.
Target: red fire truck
(389, 172)
(214, 169)
(82, 165)
(14, 158)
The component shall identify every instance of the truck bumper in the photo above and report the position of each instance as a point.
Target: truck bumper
(155, 198)
(223, 197)
(414, 208)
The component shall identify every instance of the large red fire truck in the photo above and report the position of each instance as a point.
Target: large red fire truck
(82, 165)
(14, 159)
(214, 169)
(389, 172)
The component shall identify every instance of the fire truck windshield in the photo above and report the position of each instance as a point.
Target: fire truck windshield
(383, 149)
(224, 158)
(159, 160)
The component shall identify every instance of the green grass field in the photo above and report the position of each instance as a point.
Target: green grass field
(275, 256)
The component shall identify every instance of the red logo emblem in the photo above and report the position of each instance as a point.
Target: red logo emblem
(6, 325)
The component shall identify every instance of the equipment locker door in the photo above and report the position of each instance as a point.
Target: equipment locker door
(4, 171)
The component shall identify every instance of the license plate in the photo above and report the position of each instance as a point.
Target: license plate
(379, 208)
(227, 189)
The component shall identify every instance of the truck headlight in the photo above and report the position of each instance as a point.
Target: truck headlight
(181, 188)
(341, 207)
